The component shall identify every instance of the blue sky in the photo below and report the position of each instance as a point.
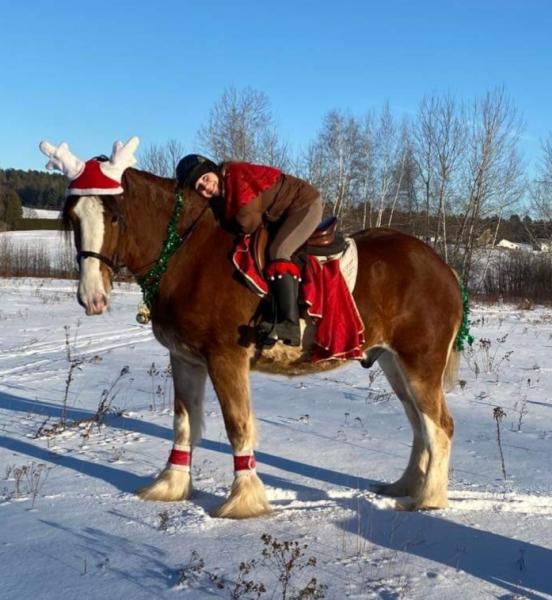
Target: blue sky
(92, 73)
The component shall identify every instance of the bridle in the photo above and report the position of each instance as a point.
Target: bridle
(110, 263)
(114, 269)
(150, 281)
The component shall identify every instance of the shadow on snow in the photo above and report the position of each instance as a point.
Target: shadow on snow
(514, 565)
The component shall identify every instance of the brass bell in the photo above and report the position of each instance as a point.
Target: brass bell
(143, 315)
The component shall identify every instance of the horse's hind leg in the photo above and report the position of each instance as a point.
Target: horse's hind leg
(229, 372)
(174, 482)
(412, 480)
(425, 479)
(437, 430)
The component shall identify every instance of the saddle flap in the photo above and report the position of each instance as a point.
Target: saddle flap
(260, 242)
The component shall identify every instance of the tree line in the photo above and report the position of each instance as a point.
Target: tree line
(34, 189)
(451, 173)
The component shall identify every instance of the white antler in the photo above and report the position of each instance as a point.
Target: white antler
(63, 159)
(122, 157)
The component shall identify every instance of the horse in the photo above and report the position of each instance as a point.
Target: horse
(409, 300)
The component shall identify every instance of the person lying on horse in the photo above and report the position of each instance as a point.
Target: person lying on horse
(253, 194)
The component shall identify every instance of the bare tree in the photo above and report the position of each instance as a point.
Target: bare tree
(403, 154)
(389, 158)
(338, 162)
(161, 159)
(541, 190)
(449, 137)
(423, 134)
(366, 178)
(493, 174)
(241, 127)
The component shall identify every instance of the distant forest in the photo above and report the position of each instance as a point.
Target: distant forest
(35, 189)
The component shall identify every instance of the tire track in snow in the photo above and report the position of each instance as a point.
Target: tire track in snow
(49, 353)
(508, 502)
(81, 342)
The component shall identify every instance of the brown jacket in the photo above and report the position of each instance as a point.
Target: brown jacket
(287, 195)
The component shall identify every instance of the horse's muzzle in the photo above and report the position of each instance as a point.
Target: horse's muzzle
(94, 305)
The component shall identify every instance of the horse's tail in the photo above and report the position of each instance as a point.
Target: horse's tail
(450, 376)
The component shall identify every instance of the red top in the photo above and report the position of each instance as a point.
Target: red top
(245, 181)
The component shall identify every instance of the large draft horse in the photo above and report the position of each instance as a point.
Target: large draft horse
(408, 298)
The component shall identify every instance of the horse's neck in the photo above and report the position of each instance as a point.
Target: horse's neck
(149, 204)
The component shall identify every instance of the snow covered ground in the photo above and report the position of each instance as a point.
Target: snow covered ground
(71, 527)
(53, 244)
(40, 213)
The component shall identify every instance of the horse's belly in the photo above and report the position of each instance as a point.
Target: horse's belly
(292, 361)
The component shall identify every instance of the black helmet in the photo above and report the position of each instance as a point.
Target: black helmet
(192, 167)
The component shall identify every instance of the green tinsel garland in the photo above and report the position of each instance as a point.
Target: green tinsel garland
(463, 334)
(152, 279)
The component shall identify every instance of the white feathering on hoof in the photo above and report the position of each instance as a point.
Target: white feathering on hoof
(247, 499)
(170, 485)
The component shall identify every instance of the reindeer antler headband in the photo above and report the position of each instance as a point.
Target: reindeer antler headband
(93, 177)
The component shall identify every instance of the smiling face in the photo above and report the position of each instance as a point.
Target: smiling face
(208, 185)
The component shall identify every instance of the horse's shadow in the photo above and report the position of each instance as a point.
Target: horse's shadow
(521, 568)
(516, 566)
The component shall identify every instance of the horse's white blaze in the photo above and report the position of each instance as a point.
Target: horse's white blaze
(92, 294)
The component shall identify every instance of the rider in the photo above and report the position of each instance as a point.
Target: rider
(252, 193)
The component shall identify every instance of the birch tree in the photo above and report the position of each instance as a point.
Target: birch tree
(493, 174)
(337, 161)
(241, 127)
(161, 159)
(541, 191)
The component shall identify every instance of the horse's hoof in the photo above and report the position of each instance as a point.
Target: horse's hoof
(171, 485)
(392, 490)
(247, 499)
(413, 504)
(405, 504)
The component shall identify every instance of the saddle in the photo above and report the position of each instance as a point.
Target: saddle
(329, 266)
(326, 240)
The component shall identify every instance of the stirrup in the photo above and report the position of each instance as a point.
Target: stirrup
(266, 334)
(289, 333)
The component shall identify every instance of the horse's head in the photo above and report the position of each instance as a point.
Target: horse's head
(92, 211)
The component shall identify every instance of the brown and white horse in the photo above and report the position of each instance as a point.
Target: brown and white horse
(408, 298)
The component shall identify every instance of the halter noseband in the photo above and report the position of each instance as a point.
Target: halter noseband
(106, 261)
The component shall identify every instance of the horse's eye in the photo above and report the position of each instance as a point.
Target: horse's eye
(114, 218)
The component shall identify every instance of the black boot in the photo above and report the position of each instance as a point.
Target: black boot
(284, 324)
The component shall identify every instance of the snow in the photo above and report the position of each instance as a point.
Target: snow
(324, 440)
(40, 213)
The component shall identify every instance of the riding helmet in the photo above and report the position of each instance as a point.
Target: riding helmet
(192, 167)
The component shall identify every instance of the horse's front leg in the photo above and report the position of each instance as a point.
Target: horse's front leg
(174, 482)
(229, 372)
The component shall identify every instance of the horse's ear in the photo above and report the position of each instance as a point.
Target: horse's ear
(62, 158)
